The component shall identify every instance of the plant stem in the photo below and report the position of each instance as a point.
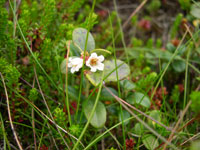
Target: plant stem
(84, 54)
(91, 114)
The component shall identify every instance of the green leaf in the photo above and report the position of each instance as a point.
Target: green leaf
(139, 98)
(99, 118)
(63, 66)
(195, 98)
(105, 95)
(79, 37)
(195, 10)
(75, 50)
(73, 93)
(139, 129)
(178, 65)
(195, 145)
(150, 141)
(170, 47)
(109, 65)
(156, 115)
(127, 85)
(125, 115)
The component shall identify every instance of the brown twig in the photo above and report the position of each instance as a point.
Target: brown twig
(140, 120)
(188, 123)
(29, 102)
(45, 102)
(190, 139)
(190, 33)
(133, 13)
(129, 18)
(66, 102)
(149, 117)
(9, 114)
(177, 124)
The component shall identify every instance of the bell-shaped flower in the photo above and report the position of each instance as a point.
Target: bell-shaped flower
(75, 64)
(95, 62)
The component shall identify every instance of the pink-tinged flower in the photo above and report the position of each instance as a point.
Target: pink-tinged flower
(95, 62)
(75, 64)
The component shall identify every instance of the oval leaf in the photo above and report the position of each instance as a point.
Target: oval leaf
(150, 141)
(155, 114)
(125, 115)
(139, 129)
(79, 37)
(75, 50)
(178, 65)
(139, 98)
(106, 96)
(195, 10)
(195, 145)
(109, 66)
(63, 66)
(127, 85)
(99, 117)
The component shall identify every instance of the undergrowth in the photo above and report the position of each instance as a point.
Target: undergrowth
(81, 74)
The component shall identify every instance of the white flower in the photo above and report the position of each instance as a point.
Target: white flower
(95, 62)
(75, 64)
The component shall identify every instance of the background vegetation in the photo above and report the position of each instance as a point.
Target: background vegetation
(148, 98)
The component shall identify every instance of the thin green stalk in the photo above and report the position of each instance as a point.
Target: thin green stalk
(91, 114)
(107, 131)
(31, 50)
(43, 127)
(92, 93)
(24, 125)
(14, 19)
(194, 68)
(84, 54)
(43, 115)
(118, 143)
(186, 78)
(118, 84)
(140, 120)
(14, 29)
(163, 73)
(49, 111)
(59, 72)
(121, 32)
(4, 134)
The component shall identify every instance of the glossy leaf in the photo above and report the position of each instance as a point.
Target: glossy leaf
(109, 66)
(139, 98)
(99, 117)
(63, 66)
(156, 115)
(195, 145)
(150, 141)
(195, 10)
(106, 96)
(139, 129)
(178, 65)
(79, 37)
(75, 50)
(127, 85)
(125, 115)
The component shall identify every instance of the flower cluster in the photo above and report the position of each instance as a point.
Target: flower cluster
(94, 62)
